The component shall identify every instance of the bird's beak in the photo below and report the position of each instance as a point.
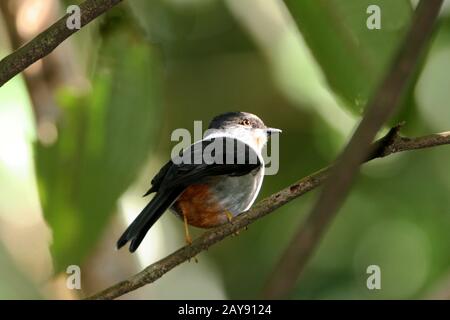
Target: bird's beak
(271, 131)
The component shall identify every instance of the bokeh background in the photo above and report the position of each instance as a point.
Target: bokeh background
(83, 131)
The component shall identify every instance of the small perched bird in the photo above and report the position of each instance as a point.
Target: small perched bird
(210, 192)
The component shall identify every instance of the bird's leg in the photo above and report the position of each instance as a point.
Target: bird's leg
(187, 235)
(230, 220)
(183, 211)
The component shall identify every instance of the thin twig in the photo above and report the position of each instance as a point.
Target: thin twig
(385, 100)
(391, 143)
(49, 39)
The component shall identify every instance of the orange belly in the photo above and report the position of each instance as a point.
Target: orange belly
(197, 204)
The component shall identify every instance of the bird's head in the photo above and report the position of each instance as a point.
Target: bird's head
(245, 126)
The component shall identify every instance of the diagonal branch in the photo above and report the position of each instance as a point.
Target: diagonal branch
(390, 144)
(383, 104)
(49, 39)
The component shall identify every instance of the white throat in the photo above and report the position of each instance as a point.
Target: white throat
(255, 138)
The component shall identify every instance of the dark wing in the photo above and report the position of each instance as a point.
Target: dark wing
(244, 160)
(175, 176)
(224, 156)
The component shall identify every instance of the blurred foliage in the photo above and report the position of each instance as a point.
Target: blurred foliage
(353, 57)
(432, 96)
(104, 137)
(161, 64)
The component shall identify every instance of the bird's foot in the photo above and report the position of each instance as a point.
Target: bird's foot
(230, 218)
(188, 239)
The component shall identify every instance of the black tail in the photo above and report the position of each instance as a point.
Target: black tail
(137, 230)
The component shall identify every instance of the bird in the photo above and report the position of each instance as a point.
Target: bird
(222, 182)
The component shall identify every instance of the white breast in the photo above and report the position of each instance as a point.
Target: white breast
(237, 194)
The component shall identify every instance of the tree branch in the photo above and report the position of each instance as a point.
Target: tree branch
(390, 144)
(383, 104)
(49, 39)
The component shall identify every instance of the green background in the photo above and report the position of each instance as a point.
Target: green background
(307, 67)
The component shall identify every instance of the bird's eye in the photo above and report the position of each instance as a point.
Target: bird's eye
(245, 122)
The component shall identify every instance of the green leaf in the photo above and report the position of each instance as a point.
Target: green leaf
(104, 138)
(190, 29)
(353, 58)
